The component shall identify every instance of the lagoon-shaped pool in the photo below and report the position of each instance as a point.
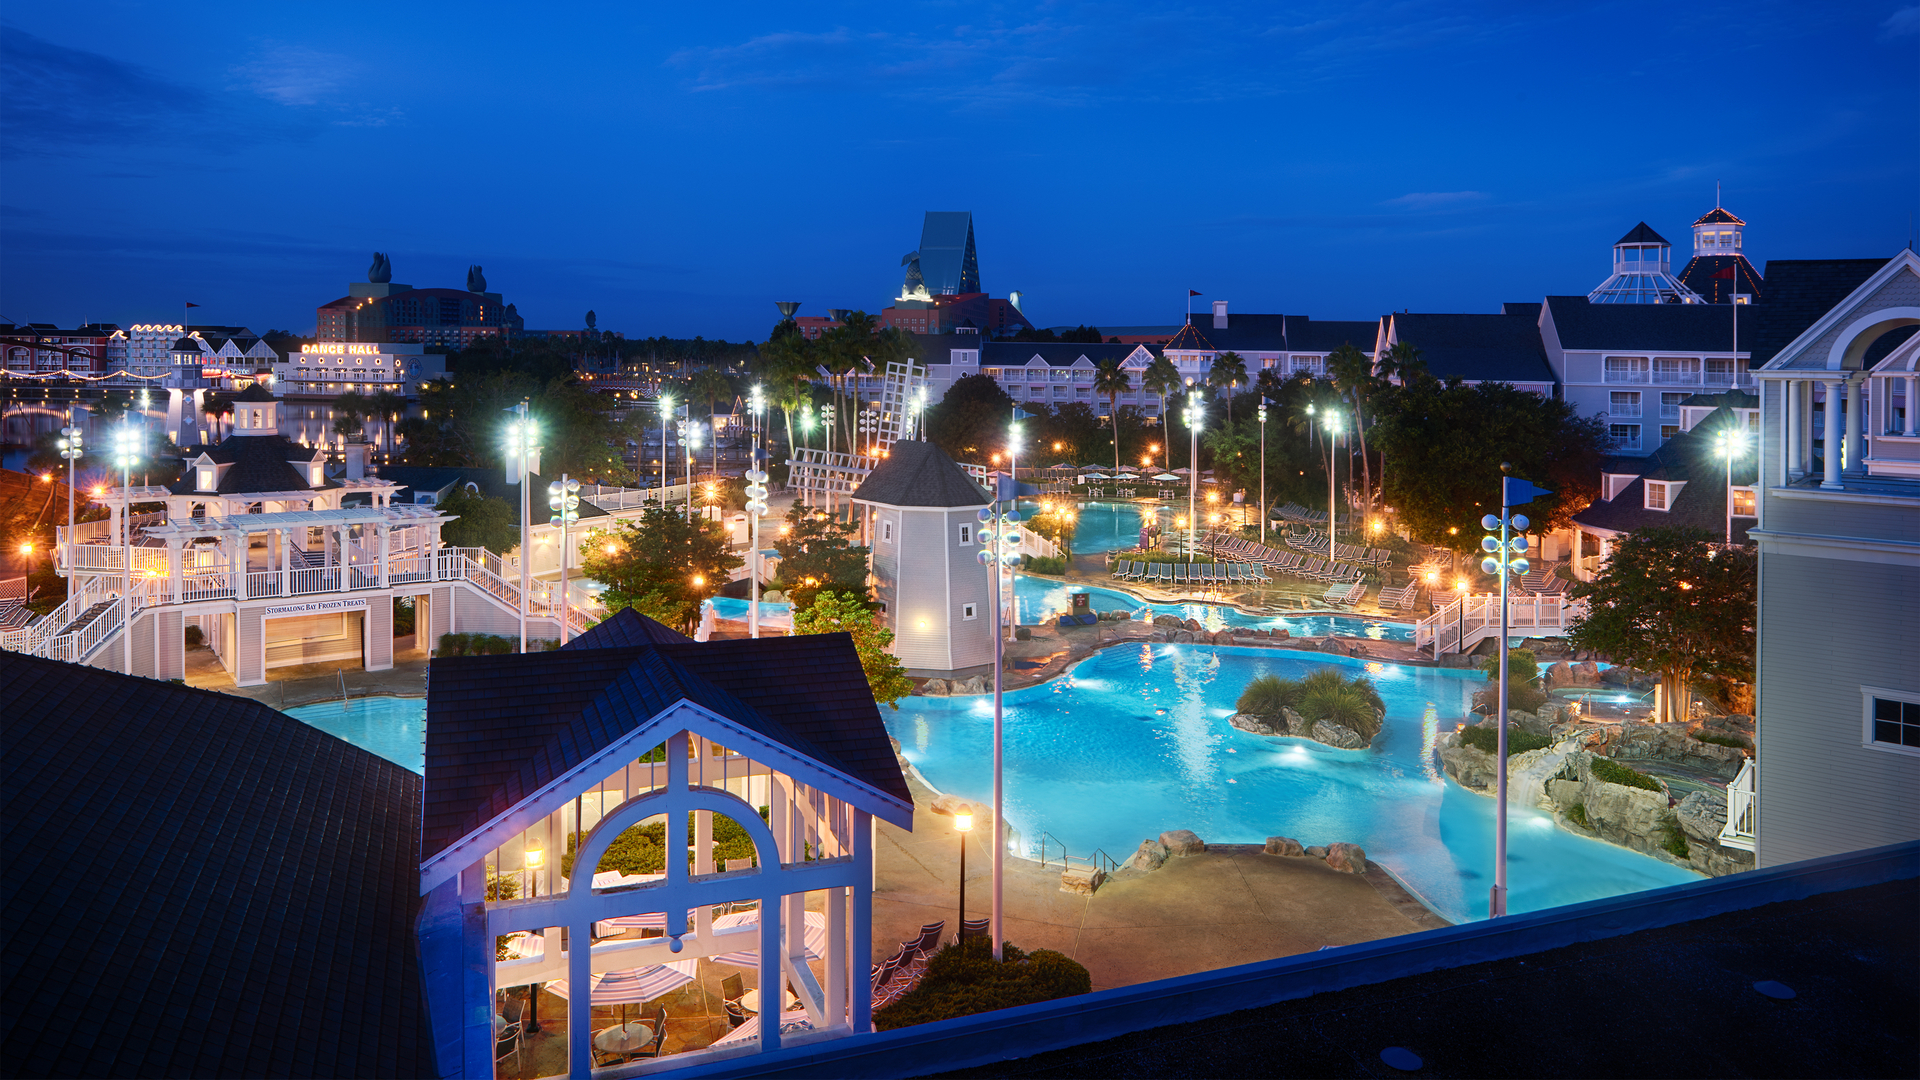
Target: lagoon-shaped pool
(1135, 741)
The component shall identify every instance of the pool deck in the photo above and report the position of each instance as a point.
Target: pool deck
(305, 684)
(1230, 905)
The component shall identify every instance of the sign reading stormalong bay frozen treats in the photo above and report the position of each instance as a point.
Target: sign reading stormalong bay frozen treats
(318, 606)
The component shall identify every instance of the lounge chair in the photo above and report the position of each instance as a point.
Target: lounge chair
(1180, 573)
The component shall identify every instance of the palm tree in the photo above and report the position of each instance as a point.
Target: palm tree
(1112, 381)
(388, 406)
(216, 406)
(1228, 371)
(1401, 361)
(711, 383)
(1162, 378)
(1354, 377)
(787, 365)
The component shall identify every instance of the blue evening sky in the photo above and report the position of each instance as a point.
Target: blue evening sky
(681, 167)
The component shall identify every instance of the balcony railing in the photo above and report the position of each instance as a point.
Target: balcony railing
(1743, 809)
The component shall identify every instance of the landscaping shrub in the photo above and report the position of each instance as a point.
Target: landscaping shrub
(1324, 695)
(195, 637)
(1040, 564)
(962, 980)
(1615, 773)
(1266, 695)
(1718, 739)
(1519, 696)
(1522, 667)
(1577, 813)
(1519, 741)
(402, 616)
(1673, 837)
(642, 849)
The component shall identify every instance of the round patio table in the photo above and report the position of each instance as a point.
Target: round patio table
(630, 1037)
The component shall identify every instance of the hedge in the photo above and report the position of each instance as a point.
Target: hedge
(1615, 773)
(962, 980)
(1519, 740)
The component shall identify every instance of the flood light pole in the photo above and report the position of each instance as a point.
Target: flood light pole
(523, 439)
(563, 496)
(1263, 471)
(1505, 558)
(1732, 443)
(666, 407)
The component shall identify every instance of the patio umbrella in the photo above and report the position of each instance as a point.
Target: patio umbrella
(635, 985)
(1166, 477)
(1098, 476)
(815, 937)
(1183, 470)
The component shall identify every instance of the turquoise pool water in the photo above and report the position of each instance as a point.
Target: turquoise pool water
(1103, 526)
(1136, 741)
(393, 727)
(1040, 599)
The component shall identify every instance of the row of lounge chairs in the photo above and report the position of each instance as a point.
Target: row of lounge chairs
(1294, 512)
(1315, 541)
(1345, 595)
(901, 972)
(1296, 563)
(1229, 573)
(1405, 598)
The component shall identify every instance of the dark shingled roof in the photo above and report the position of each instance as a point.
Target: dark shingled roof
(1799, 292)
(1641, 234)
(255, 392)
(1649, 328)
(1718, 216)
(1478, 348)
(1689, 456)
(1699, 272)
(625, 628)
(1253, 332)
(920, 474)
(197, 885)
(499, 728)
(259, 463)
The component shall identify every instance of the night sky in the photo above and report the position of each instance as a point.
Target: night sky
(681, 167)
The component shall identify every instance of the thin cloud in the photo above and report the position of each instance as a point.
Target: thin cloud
(295, 75)
(1901, 23)
(1437, 200)
(54, 98)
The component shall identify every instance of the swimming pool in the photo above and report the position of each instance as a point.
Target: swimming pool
(1103, 526)
(392, 727)
(1135, 741)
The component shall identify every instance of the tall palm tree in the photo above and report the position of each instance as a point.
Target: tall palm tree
(1228, 371)
(1112, 381)
(1353, 375)
(1403, 362)
(387, 406)
(711, 383)
(1160, 379)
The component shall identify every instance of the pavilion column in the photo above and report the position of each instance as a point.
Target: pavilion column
(173, 567)
(1913, 385)
(1803, 408)
(1830, 436)
(1856, 420)
(286, 562)
(237, 561)
(386, 551)
(860, 963)
(1792, 465)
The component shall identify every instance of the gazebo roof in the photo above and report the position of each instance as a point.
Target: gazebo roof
(242, 524)
(920, 474)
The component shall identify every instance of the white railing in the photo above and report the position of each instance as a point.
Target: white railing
(205, 587)
(263, 583)
(1743, 809)
(1467, 621)
(404, 571)
(1032, 543)
(317, 579)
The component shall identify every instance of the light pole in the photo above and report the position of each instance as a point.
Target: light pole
(1333, 518)
(563, 495)
(826, 421)
(70, 448)
(689, 445)
(1506, 557)
(1460, 617)
(666, 407)
(1732, 443)
(756, 505)
(1196, 412)
(126, 446)
(1263, 471)
(963, 824)
(523, 439)
(994, 538)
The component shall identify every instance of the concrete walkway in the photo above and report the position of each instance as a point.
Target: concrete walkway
(1225, 907)
(305, 684)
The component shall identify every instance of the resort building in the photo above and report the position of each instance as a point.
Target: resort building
(538, 762)
(1290, 345)
(1838, 710)
(378, 310)
(922, 519)
(1475, 348)
(940, 288)
(265, 553)
(1643, 272)
(331, 368)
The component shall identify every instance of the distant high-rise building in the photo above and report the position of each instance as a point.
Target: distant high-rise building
(940, 287)
(381, 311)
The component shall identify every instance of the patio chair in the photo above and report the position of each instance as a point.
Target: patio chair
(507, 1040)
(659, 1036)
(929, 939)
(732, 989)
(973, 928)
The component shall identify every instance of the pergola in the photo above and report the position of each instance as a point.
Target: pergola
(362, 542)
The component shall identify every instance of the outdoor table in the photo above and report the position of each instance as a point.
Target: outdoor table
(750, 1001)
(629, 1038)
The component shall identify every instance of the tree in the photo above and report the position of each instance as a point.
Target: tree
(1671, 600)
(1354, 378)
(1448, 441)
(1112, 381)
(480, 522)
(1162, 378)
(660, 564)
(971, 420)
(348, 409)
(711, 384)
(846, 613)
(1228, 370)
(1082, 334)
(1236, 453)
(815, 547)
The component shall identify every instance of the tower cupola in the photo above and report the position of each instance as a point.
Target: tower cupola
(1642, 272)
(1717, 233)
(256, 411)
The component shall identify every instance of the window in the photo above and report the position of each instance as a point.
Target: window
(966, 536)
(1892, 720)
(1625, 402)
(1743, 502)
(1668, 431)
(1720, 372)
(969, 612)
(1626, 369)
(886, 532)
(1625, 436)
(1656, 495)
(1670, 405)
(1676, 370)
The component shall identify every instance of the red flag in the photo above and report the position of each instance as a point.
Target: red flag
(193, 305)
(1727, 273)
(1190, 292)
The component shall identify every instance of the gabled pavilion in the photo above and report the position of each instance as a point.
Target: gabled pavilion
(539, 760)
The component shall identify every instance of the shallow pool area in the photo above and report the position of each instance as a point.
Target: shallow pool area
(1041, 599)
(1103, 526)
(393, 727)
(1135, 740)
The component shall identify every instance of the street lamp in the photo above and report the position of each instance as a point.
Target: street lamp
(1263, 470)
(72, 450)
(1732, 443)
(563, 496)
(522, 442)
(999, 545)
(126, 451)
(1506, 558)
(1196, 414)
(1333, 518)
(666, 407)
(756, 506)
(963, 824)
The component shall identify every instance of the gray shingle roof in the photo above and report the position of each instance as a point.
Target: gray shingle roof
(1641, 234)
(198, 885)
(920, 474)
(259, 463)
(1799, 292)
(1477, 348)
(1648, 328)
(1689, 456)
(1699, 272)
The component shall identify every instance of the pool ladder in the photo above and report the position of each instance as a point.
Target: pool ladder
(1099, 860)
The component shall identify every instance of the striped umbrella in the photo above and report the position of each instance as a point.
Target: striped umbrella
(815, 938)
(635, 985)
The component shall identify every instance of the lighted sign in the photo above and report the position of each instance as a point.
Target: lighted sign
(341, 348)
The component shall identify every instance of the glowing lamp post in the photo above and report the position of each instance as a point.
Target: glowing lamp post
(963, 824)
(756, 506)
(70, 448)
(522, 442)
(563, 496)
(1196, 414)
(666, 409)
(126, 451)
(1505, 558)
(1263, 470)
(1732, 443)
(999, 546)
(1333, 517)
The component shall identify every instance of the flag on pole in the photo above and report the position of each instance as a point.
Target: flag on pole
(190, 304)
(1726, 274)
(1007, 489)
(1517, 492)
(1191, 292)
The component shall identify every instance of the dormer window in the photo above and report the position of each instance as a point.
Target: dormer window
(1657, 497)
(206, 481)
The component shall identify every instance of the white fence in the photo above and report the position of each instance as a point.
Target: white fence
(1471, 619)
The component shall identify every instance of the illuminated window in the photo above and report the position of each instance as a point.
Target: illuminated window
(1743, 502)
(1656, 495)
